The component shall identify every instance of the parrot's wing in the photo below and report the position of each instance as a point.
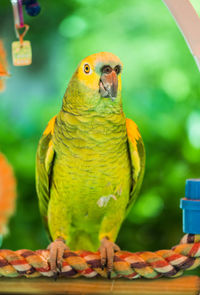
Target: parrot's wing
(44, 164)
(137, 157)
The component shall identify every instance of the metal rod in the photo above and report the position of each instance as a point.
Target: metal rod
(188, 22)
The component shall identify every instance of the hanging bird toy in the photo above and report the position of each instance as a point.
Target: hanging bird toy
(21, 50)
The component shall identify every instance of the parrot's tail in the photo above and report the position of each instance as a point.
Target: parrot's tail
(81, 240)
(7, 194)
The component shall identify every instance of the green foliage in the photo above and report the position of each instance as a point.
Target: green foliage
(161, 92)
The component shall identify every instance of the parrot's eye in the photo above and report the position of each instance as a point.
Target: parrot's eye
(106, 70)
(117, 69)
(86, 68)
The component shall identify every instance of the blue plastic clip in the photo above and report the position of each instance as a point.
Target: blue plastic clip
(191, 207)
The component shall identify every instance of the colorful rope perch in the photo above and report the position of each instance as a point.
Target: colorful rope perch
(150, 265)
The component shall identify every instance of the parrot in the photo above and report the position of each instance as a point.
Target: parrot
(90, 163)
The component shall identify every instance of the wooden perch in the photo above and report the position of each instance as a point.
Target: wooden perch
(188, 285)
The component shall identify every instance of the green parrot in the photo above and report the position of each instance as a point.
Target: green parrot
(90, 163)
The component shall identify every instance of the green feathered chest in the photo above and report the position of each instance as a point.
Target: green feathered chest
(92, 167)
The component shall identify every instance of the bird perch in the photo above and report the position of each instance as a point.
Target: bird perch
(189, 285)
(149, 265)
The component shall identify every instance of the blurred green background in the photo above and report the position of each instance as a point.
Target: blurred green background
(161, 92)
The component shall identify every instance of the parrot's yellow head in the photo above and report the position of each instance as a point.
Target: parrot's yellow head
(96, 81)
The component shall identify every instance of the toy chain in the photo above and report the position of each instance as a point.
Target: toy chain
(149, 265)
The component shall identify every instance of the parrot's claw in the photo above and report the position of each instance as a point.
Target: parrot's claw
(55, 275)
(107, 250)
(57, 249)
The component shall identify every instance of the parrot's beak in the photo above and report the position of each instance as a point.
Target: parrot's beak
(108, 85)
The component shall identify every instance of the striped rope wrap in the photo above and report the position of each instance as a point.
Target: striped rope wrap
(149, 265)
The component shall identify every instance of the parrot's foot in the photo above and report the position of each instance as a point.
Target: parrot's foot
(107, 250)
(57, 249)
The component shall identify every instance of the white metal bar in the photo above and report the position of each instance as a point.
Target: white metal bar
(188, 22)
